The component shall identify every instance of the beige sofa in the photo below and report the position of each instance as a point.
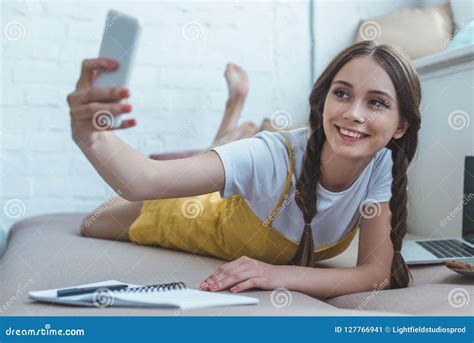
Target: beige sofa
(47, 251)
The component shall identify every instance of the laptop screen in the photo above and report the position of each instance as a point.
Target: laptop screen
(468, 200)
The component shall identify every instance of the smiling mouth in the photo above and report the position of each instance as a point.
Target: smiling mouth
(350, 136)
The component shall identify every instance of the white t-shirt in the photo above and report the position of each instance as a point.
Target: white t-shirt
(257, 169)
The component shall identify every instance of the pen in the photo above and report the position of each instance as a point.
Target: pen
(84, 290)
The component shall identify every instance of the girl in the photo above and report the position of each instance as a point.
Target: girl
(277, 203)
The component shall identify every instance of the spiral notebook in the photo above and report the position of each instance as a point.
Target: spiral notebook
(165, 295)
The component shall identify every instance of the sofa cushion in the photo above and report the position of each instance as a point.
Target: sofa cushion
(48, 252)
(416, 31)
(434, 290)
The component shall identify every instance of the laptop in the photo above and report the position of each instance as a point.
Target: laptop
(444, 249)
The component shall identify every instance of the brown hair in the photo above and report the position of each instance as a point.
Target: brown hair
(407, 85)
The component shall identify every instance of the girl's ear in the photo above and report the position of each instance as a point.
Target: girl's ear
(401, 129)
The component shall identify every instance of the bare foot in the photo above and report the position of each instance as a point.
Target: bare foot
(237, 82)
(246, 130)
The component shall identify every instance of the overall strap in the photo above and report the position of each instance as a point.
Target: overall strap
(287, 185)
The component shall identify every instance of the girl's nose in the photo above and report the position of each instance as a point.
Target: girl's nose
(355, 113)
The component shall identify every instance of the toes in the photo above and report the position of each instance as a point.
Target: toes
(230, 67)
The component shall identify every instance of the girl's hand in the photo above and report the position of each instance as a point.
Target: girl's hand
(245, 273)
(93, 109)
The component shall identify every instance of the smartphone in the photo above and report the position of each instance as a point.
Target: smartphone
(119, 42)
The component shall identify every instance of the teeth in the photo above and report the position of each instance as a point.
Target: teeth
(350, 133)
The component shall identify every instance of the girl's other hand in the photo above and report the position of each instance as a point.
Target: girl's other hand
(93, 109)
(245, 273)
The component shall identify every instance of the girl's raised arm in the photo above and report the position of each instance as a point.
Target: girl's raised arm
(131, 174)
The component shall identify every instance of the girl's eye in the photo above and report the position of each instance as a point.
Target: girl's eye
(379, 103)
(340, 93)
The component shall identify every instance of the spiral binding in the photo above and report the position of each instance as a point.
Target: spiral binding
(154, 288)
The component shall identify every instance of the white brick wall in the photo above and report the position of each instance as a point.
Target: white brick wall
(178, 89)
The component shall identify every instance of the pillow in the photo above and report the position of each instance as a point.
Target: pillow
(416, 31)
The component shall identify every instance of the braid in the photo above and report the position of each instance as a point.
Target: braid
(306, 197)
(400, 274)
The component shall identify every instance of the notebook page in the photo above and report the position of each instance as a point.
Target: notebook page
(185, 299)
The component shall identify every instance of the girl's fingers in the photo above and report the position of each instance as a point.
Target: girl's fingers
(128, 123)
(98, 94)
(98, 109)
(233, 270)
(247, 284)
(233, 279)
(91, 65)
(228, 267)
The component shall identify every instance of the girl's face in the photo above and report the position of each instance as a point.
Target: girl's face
(361, 111)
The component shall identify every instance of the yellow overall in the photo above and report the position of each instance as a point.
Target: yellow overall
(223, 228)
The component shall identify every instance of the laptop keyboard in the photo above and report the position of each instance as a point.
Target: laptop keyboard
(447, 248)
